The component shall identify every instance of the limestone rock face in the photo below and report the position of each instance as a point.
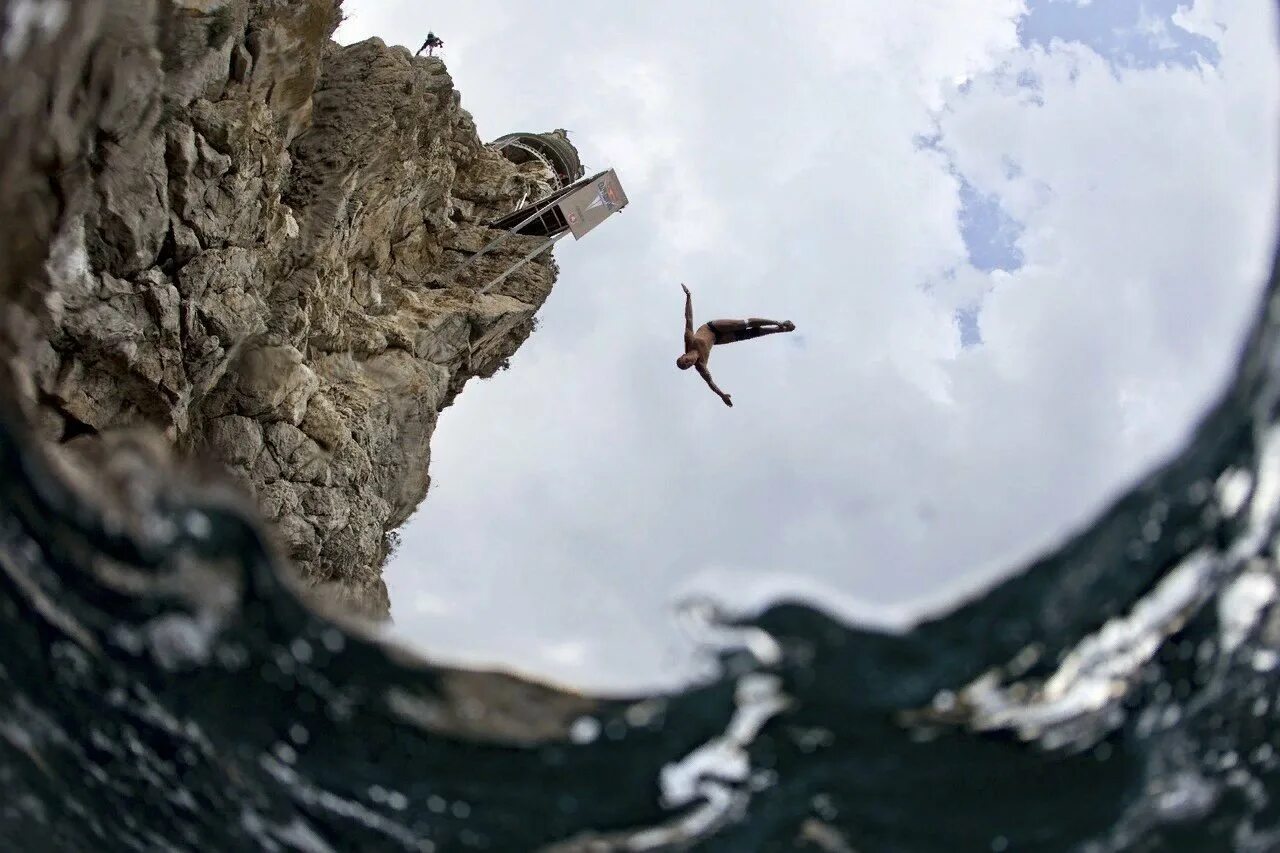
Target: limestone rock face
(227, 226)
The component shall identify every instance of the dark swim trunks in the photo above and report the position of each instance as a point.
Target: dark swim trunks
(716, 333)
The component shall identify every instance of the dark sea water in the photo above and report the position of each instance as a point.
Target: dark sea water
(162, 689)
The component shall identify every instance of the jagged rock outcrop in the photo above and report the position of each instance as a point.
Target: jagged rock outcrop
(230, 227)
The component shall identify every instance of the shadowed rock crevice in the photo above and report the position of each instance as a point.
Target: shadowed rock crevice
(241, 233)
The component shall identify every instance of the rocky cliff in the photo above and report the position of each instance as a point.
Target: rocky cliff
(223, 224)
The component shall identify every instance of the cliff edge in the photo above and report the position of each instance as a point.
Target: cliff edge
(223, 224)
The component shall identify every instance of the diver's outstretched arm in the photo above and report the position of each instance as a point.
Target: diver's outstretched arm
(711, 383)
(688, 309)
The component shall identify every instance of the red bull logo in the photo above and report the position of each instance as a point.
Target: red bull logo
(606, 196)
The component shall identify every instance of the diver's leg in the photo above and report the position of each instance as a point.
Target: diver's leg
(732, 331)
(757, 331)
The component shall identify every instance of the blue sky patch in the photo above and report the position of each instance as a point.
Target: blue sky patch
(1128, 33)
(990, 234)
(967, 323)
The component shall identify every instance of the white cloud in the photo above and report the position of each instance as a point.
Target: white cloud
(1147, 252)
(1203, 18)
(771, 164)
(921, 48)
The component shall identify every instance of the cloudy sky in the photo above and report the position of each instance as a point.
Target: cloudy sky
(1021, 240)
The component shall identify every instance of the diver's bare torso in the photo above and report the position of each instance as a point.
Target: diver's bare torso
(700, 342)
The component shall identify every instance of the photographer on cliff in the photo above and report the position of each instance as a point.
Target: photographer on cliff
(432, 42)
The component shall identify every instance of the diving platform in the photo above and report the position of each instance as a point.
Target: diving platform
(576, 209)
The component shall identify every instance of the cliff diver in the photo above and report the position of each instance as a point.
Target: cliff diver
(697, 345)
(433, 41)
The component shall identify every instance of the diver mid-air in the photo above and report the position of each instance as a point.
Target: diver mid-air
(697, 345)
